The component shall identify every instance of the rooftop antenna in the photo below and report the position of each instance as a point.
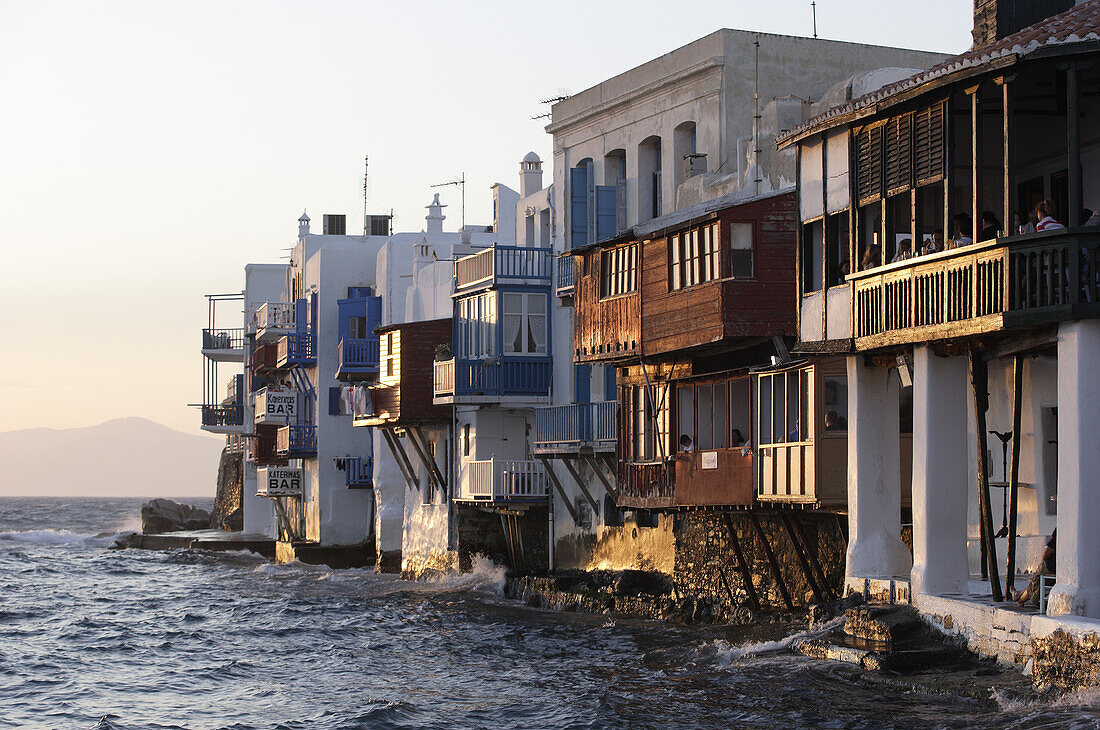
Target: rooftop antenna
(813, 9)
(563, 94)
(461, 182)
(756, 119)
(366, 218)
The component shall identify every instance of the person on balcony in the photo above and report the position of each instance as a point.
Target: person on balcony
(962, 227)
(1044, 211)
(736, 439)
(686, 444)
(1090, 220)
(991, 227)
(905, 251)
(872, 257)
(935, 244)
(1047, 565)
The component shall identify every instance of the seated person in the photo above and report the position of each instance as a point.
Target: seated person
(793, 435)
(960, 232)
(686, 444)
(846, 267)
(905, 250)
(1093, 219)
(832, 420)
(872, 257)
(936, 244)
(991, 227)
(736, 439)
(1046, 567)
(1044, 213)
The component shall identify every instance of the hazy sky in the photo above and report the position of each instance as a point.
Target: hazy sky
(148, 150)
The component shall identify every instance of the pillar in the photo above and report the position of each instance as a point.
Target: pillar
(875, 549)
(1077, 591)
(940, 477)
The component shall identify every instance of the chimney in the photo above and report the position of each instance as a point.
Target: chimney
(435, 215)
(303, 225)
(995, 19)
(335, 225)
(530, 175)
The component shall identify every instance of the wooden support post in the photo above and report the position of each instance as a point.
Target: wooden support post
(420, 445)
(746, 571)
(1073, 148)
(401, 458)
(772, 562)
(975, 162)
(580, 484)
(506, 527)
(1014, 477)
(815, 564)
(979, 377)
(594, 465)
(807, 572)
(557, 485)
(1009, 182)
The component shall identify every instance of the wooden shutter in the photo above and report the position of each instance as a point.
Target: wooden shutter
(899, 153)
(578, 207)
(606, 216)
(869, 163)
(928, 143)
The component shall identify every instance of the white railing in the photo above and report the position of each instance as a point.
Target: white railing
(275, 316)
(504, 479)
(443, 377)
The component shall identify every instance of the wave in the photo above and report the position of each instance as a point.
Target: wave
(727, 652)
(58, 537)
(485, 576)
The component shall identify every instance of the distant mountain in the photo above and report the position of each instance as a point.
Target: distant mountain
(126, 457)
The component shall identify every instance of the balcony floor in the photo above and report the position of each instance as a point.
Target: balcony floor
(224, 355)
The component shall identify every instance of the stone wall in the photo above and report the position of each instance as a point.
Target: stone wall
(228, 513)
(480, 532)
(707, 566)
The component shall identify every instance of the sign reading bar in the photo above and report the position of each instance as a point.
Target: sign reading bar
(279, 481)
(281, 405)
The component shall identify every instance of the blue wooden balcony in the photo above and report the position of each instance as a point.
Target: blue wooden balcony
(492, 378)
(358, 357)
(296, 349)
(358, 472)
(575, 427)
(566, 274)
(503, 264)
(296, 442)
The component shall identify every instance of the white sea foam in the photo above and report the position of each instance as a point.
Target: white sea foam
(52, 537)
(732, 653)
(485, 576)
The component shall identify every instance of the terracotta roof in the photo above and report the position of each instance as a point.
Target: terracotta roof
(1079, 24)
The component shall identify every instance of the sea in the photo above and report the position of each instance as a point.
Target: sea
(92, 637)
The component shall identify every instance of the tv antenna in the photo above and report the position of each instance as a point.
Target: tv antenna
(813, 9)
(366, 179)
(561, 96)
(462, 183)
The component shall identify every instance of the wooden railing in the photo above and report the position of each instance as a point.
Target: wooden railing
(358, 354)
(296, 349)
(223, 339)
(566, 272)
(503, 480)
(648, 480)
(575, 425)
(358, 472)
(970, 290)
(507, 376)
(296, 441)
(443, 377)
(265, 357)
(490, 265)
(276, 316)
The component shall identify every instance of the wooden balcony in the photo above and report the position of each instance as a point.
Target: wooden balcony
(358, 358)
(511, 264)
(576, 427)
(275, 319)
(262, 448)
(296, 349)
(265, 357)
(566, 274)
(491, 379)
(296, 442)
(358, 472)
(992, 286)
(715, 478)
(503, 480)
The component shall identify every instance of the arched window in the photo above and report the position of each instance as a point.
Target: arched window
(649, 178)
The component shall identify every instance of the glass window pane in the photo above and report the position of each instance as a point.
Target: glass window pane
(703, 395)
(793, 430)
(779, 412)
(764, 414)
(718, 432)
(836, 403)
(685, 409)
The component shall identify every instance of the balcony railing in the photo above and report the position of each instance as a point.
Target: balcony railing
(265, 357)
(358, 472)
(978, 288)
(262, 447)
(358, 355)
(645, 481)
(503, 480)
(275, 317)
(575, 426)
(223, 415)
(493, 377)
(296, 349)
(296, 442)
(486, 268)
(566, 270)
(223, 339)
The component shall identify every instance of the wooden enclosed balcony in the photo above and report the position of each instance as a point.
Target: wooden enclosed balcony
(503, 480)
(511, 264)
(1021, 281)
(576, 427)
(296, 442)
(358, 357)
(566, 274)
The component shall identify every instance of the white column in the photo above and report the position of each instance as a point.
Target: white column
(1077, 591)
(940, 479)
(875, 549)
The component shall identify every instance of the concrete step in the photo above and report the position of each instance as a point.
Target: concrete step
(887, 624)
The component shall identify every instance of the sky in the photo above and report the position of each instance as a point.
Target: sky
(149, 150)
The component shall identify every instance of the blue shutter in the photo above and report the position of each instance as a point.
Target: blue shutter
(609, 383)
(578, 207)
(582, 383)
(606, 215)
(334, 400)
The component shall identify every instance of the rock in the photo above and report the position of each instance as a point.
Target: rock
(821, 612)
(164, 515)
(228, 513)
(641, 583)
(881, 623)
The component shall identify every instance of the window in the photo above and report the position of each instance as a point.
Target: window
(694, 256)
(649, 434)
(707, 413)
(741, 248)
(835, 402)
(837, 263)
(524, 317)
(389, 343)
(357, 328)
(477, 321)
(784, 407)
(619, 271)
(812, 252)
(465, 439)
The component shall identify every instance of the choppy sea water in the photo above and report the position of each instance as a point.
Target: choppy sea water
(98, 638)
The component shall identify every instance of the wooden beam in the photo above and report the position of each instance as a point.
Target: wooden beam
(420, 445)
(746, 572)
(979, 378)
(772, 562)
(1014, 477)
(595, 467)
(1009, 182)
(401, 458)
(1073, 147)
(807, 572)
(975, 162)
(815, 564)
(580, 484)
(557, 485)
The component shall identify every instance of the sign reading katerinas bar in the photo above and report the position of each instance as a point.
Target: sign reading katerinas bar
(278, 481)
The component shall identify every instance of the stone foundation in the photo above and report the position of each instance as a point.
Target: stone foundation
(228, 514)
(480, 532)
